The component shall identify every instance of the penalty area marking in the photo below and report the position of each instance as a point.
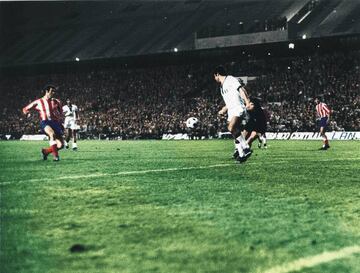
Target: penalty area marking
(94, 175)
(312, 261)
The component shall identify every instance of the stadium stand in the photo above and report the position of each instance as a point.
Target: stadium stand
(50, 32)
(148, 102)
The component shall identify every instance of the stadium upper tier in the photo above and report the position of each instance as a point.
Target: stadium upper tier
(51, 31)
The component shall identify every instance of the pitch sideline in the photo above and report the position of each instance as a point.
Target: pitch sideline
(312, 261)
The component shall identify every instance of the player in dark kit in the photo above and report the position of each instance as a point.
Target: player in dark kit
(257, 124)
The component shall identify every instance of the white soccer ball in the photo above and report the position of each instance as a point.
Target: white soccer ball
(191, 122)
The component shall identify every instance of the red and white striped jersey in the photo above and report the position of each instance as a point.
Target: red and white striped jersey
(322, 110)
(49, 109)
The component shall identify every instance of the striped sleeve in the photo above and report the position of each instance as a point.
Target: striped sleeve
(28, 107)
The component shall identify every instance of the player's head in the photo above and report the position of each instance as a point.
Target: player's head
(219, 72)
(317, 100)
(49, 90)
(68, 101)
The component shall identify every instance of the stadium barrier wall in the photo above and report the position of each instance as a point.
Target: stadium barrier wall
(350, 135)
(343, 135)
(34, 137)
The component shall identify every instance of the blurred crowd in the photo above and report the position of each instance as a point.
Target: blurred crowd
(130, 103)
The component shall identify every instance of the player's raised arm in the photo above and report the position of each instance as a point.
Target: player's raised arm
(28, 107)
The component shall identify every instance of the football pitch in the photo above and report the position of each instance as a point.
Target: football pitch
(180, 206)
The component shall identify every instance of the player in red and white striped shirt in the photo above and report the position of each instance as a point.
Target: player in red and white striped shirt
(323, 113)
(50, 111)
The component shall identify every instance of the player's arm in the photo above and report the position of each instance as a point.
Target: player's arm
(245, 97)
(223, 111)
(250, 107)
(77, 114)
(60, 109)
(28, 107)
(328, 112)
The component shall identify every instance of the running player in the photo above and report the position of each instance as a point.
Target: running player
(236, 101)
(323, 113)
(71, 116)
(50, 112)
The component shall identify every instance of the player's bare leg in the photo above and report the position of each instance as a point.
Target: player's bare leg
(262, 137)
(74, 138)
(325, 139)
(253, 135)
(59, 142)
(67, 139)
(53, 149)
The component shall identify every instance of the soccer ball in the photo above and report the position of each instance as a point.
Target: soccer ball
(192, 122)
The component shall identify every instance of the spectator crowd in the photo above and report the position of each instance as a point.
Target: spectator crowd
(132, 103)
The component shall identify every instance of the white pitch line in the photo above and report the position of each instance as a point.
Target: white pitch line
(276, 161)
(312, 261)
(119, 173)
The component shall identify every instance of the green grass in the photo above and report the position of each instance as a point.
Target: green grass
(285, 203)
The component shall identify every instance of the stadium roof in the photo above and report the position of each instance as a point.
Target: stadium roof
(58, 31)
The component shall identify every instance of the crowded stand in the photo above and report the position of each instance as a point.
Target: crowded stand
(132, 103)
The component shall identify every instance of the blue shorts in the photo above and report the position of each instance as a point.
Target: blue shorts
(323, 122)
(56, 126)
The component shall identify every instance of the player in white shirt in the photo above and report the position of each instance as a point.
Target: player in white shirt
(71, 116)
(236, 103)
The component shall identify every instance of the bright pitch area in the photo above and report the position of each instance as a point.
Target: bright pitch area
(180, 206)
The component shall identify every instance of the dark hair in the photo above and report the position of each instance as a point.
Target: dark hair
(48, 86)
(220, 70)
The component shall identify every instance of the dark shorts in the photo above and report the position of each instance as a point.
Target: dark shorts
(56, 126)
(260, 128)
(257, 125)
(323, 122)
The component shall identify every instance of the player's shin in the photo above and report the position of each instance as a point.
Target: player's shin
(242, 142)
(263, 140)
(239, 148)
(54, 148)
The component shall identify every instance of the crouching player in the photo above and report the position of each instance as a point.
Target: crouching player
(257, 124)
(50, 112)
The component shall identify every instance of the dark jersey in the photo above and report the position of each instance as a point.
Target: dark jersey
(258, 117)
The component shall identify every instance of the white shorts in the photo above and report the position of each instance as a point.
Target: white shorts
(70, 123)
(235, 112)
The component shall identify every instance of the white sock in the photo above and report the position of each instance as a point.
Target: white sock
(264, 140)
(65, 143)
(239, 149)
(74, 145)
(242, 142)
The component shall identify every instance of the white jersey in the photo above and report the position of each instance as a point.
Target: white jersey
(70, 111)
(231, 95)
